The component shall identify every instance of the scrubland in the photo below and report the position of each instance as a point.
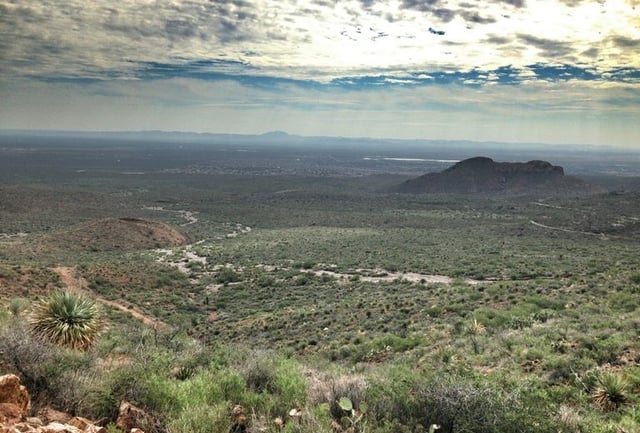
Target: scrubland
(472, 313)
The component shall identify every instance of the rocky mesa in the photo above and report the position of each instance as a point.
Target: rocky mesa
(485, 176)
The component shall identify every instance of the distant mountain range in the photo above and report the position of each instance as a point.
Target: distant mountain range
(484, 175)
(284, 138)
(576, 159)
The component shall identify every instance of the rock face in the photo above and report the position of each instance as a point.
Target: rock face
(484, 175)
(15, 403)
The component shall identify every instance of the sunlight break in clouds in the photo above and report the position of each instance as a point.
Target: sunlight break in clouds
(556, 71)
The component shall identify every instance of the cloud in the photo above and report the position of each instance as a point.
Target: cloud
(78, 39)
(499, 40)
(475, 17)
(310, 55)
(626, 42)
(516, 3)
(432, 7)
(591, 52)
(571, 3)
(552, 49)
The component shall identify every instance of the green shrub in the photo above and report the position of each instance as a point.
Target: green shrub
(17, 306)
(201, 418)
(227, 275)
(457, 404)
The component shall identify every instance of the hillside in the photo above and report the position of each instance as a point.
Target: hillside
(112, 234)
(484, 175)
(501, 313)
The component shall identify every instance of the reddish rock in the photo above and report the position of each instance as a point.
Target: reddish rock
(10, 413)
(47, 415)
(131, 417)
(85, 425)
(14, 404)
(13, 392)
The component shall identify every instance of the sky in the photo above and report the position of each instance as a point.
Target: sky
(543, 71)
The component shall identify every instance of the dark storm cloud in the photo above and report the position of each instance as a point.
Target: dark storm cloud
(550, 48)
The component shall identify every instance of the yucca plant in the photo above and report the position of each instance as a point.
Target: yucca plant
(476, 330)
(611, 392)
(67, 319)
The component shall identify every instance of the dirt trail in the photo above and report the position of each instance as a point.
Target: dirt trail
(69, 278)
(147, 320)
(188, 215)
(561, 229)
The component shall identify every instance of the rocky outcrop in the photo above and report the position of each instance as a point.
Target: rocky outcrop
(15, 403)
(14, 399)
(484, 175)
(132, 419)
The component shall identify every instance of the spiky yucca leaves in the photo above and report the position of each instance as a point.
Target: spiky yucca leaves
(611, 392)
(477, 328)
(67, 319)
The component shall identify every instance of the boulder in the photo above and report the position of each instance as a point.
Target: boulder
(132, 417)
(47, 415)
(85, 425)
(14, 393)
(10, 413)
(15, 402)
(56, 427)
